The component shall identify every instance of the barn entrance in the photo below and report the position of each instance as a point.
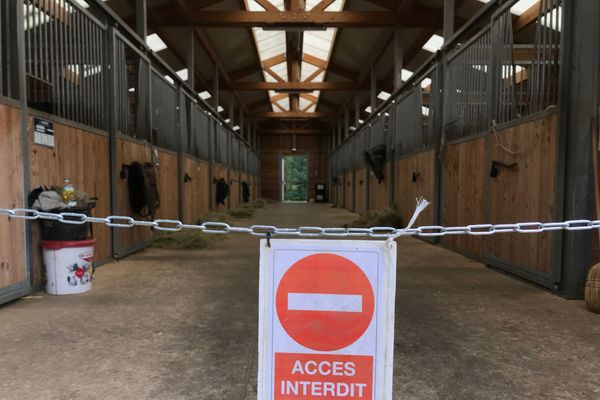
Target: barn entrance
(294, 174)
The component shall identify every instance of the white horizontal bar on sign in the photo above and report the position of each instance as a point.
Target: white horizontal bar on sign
(324, 302)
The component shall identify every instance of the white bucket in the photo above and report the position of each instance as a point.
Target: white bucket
(69, 266)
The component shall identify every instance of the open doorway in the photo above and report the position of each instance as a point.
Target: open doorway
(294, 173)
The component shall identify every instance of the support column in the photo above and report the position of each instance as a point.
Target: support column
(191, 58)
(231, 109)
(449, 9)
(346, 131)
(141, 20)
(578, 100)
(398, 57)
(373, 88)
(215, 94)
(356, 110)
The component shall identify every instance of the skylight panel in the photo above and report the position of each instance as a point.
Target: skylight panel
(318, 43)
(383, 95)
(425, 83)
(183, 74)
(405, 74)
(337, 5)
(368, 109)
(523, 5)
(169, 79)
(219, 109)
(155, 43)
(227, 120)
(304, 103)
(425, 111)
(205, 95)
(281, 70)
(434, 43)
(236, 128)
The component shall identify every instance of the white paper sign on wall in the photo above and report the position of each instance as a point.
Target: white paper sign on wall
(326, 319)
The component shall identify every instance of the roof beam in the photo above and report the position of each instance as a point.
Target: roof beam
(293, 86)
(292, 131)
(294, 115)
(286, 19)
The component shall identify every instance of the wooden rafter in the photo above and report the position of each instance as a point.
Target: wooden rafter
(293, 86)
(527, 18)
(267, 5)
(312, 76)
(274, 74)
(294, 115)
(290, 19)
(322, 6)
(272, 61)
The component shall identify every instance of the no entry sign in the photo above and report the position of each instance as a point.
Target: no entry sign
(326, 319)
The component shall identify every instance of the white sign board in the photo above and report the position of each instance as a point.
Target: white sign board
(326, 319)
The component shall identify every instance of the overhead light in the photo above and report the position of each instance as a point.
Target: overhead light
(220, 109)
(405, 74)
(132, 89)
(360, 121)
(352, 128)
(369, 109)
(205, 95)
(434, 43)
(155, 43)
(425, 83)
(183, 74)
(236, 128)
(228, 120)
(169, 79)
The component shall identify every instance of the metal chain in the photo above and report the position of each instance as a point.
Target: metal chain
(384, 232)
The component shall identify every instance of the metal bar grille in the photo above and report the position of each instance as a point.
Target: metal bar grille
(468, 88)
(64, 61)
(543, 79)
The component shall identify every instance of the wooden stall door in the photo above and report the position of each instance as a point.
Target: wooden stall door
(14, 281)
(415, 178)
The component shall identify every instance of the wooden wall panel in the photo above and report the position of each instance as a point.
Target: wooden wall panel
(361, 191)
(348, 191)
(12, 246)
(270, 170)
(525, 192)
(338, 191)
(168, 185)
(82, 157)
(464, 176)
(379, 192)
(196, 190)
(423, 166)
(236, 190)
(128, 151)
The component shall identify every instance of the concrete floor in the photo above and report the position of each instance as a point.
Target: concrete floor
(183, 325)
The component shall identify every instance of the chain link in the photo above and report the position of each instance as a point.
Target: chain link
(173, 225)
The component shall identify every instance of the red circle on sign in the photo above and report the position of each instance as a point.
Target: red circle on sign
(331, 303)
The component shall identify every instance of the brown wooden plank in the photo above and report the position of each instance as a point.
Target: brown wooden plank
(12, 247)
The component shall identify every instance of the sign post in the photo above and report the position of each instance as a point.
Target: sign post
(326, 319)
